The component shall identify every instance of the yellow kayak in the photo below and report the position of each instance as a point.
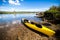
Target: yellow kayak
(41, 28)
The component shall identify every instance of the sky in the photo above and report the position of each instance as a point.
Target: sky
(27, 5)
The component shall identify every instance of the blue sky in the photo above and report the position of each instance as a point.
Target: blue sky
(27, 5)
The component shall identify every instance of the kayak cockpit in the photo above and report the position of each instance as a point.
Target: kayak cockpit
(28, 21)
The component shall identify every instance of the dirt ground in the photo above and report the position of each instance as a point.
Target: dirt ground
(19, 32)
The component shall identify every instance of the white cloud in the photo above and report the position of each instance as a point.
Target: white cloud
(4, 8)
(4, 0)
(16, 2)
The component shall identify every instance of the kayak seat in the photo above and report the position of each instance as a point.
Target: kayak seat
(38, 25)
(25, 20)
(32, 23)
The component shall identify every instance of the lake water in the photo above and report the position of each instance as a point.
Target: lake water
(4, 18)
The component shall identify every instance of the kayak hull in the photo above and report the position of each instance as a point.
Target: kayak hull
(43, 30)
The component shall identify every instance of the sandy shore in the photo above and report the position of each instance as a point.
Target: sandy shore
(18, 31)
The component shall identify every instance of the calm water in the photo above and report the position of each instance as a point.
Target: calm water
(4, 18)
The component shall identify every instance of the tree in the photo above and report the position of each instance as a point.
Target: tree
(53, 8)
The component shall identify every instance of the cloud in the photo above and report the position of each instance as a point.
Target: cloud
(16, 2)
(4, 0)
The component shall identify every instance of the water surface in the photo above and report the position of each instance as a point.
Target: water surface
(5, 18)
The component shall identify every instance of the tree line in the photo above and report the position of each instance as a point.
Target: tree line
(53, 13)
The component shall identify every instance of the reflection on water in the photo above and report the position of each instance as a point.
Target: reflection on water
(4, 18)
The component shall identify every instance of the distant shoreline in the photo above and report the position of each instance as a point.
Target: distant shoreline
(22, 12)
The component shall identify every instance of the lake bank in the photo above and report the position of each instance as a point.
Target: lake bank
(17, 31)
